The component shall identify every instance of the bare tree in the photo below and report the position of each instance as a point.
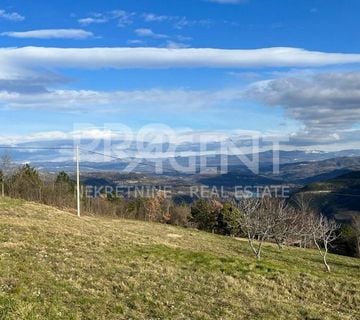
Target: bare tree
(303, 201)
(305, 218)
(324, 233)
(284, 220)
(256, 222)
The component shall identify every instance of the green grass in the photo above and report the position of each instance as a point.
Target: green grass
(54, 265)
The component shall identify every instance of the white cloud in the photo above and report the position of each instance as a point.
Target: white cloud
(182, 22)
(12, 16)
(126, 142)
(178, 41)
(151, 17)
(115, 101)
(145, 32)
(325, 101)
(50, 34)
(178, 22)
(90, 20)
(325, 107)
(19, 62)
(136, 42)
(175, 44)
(122, 17)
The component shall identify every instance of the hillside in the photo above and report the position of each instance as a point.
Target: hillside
(56, 266)
(337, 196)
(235, 178)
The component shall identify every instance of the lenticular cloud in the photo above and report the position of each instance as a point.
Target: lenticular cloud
(17, 60)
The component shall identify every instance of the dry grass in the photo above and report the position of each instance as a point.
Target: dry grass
(54, 265)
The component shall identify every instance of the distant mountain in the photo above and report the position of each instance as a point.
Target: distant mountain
(303, 173)
(61, 155)
(300, 174)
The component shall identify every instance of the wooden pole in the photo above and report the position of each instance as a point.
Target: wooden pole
(78, 180)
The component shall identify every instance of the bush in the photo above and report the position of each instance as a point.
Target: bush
(180, 215)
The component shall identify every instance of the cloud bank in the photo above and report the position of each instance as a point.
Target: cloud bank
(326, 105)
(323, 102)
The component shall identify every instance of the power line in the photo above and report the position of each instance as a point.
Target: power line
(344, 194)
(85, 150)
(121, 159)
(332, 193)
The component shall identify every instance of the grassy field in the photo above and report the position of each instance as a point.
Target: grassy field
(54, 265)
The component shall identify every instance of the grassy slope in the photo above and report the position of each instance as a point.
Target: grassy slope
(56, 266)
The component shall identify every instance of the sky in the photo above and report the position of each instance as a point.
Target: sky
(282, 67)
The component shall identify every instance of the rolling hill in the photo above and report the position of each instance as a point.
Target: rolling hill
(56, 266)
(337, 196)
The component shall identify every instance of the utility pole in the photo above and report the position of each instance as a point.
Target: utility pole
(78, 179)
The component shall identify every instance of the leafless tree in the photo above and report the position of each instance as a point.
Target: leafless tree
(324, 233)
(304, 221)
(256, 222)
(302, 201)
(284, 219)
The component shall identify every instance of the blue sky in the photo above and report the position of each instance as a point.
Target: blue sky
(44, 90)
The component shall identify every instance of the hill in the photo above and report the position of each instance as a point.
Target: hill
(337, 196)
(56, 266)
(312, 171)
